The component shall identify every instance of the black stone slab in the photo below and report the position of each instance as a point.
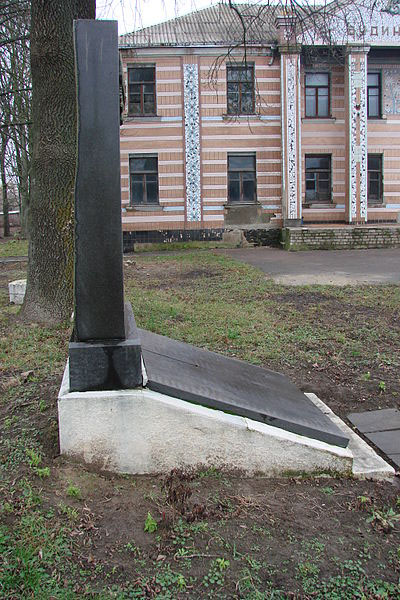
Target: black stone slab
(376, 420)
(107, 364)
(99, 304)
(233, 386)
(387, 441)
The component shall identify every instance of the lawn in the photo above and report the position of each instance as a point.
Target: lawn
(69, 532)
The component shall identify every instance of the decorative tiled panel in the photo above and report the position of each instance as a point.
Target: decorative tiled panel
(192, 141)
(374, 23)
(292, 134)
(391, 91)
(357, 65)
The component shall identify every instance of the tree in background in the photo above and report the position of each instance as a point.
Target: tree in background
(15, 93)
(49, 294)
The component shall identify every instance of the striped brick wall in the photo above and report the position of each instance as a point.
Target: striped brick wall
(328, 136)
(220, 134)
(164, 135)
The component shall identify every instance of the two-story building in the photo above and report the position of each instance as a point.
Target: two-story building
(298, 125)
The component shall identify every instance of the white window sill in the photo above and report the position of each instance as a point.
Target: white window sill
(144, 208)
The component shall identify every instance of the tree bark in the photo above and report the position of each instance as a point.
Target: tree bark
(4, 186)
(49, 294)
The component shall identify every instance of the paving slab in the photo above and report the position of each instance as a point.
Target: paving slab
(376, 420)
(222, 383)
(387, 441)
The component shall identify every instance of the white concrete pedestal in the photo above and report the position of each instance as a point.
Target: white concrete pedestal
(144, 432)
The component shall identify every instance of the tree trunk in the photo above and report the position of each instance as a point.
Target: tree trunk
(4, 187)
(49, 294)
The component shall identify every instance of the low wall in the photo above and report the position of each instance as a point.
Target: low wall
(240, 235)
(340, 238)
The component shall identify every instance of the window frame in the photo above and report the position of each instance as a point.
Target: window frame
(144, 204)
(239, 83)
(132, 67)
(379, 200)
(379, 88)
(241, 201)
(316, 87)
(318, 200)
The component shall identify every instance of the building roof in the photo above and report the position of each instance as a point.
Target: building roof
(217, 25)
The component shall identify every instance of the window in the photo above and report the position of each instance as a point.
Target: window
(318, 178)
(144, 180)
(141, 91)
(375, 186)
(240, 89)
(241, 178)
(317, 95)
(374, 95)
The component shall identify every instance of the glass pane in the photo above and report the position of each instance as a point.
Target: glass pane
(318, 162)
(374, 163)
(323, 185)
(373, 106)
(232, 74)
(246, 74)
(148, 88)
(322, 92)
(141, 74)
(234, 175)
(310, 194)
(152, 191)
(310, 184)
(373, 191)
(241, 162)
(233, 88)
(134, 88)
(323, 106)
(246, 87)
(249, 176)
(233, 103)
(247, 103)
(137, 192)
(143, 163)
(234, 190)
(148, 106)
(311, 106)
(134, 107)
(317, 79)
(249, 190)
(373, 79)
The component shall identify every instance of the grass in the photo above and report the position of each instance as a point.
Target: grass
(13, 247)
(219, 304)
(68, 532)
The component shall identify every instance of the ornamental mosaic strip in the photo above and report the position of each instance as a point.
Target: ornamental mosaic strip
(291, 134)
(391, 91)
(358, 147)
(192, 141)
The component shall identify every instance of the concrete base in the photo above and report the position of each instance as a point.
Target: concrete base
(16, 290)
(145, 432)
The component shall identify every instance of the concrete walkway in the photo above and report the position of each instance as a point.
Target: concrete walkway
(11, 259)
(335, 267)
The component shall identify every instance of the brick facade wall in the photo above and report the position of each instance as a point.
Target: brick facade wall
(348, 238)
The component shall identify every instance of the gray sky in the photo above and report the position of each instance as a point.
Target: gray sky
(134, 14)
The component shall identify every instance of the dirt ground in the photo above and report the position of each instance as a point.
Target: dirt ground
(80, 533)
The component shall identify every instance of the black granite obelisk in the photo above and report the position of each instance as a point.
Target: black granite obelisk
(104, 352)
